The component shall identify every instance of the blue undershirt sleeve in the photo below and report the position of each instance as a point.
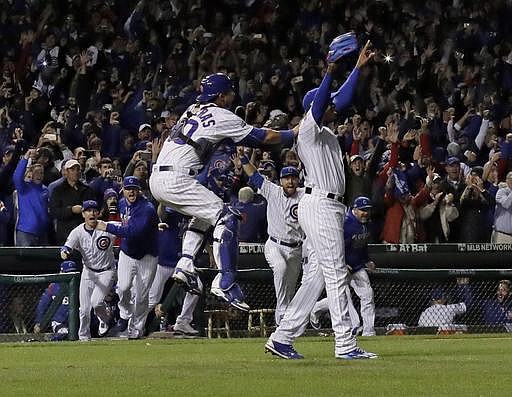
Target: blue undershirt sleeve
(255, 138)
(322, 98)
(343, 97)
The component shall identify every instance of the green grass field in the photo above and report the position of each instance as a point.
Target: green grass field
(466, 365)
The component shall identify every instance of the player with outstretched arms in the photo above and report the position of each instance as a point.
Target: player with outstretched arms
(98, 273)
(283, 249)
(322, 212)
(201, 129)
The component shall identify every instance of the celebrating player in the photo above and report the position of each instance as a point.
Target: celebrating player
(283, 249)
(200, 130)
(98, 272)
(322, 213)
(137, 258)
(356, 249)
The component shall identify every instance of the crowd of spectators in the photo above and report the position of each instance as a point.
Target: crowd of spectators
(94, 86)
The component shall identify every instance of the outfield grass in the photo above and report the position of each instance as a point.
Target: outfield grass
(466, 365)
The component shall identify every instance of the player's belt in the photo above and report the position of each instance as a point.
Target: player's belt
(100, 270)
(286, 243)
(332, 196)
(188, 171)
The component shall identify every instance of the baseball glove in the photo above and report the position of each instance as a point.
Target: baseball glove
(342, 45)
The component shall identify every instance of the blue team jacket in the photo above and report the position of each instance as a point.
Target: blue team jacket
(356, 236)
(139, 229)
(61, 315)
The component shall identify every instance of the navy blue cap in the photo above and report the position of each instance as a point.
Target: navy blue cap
(362, 203)
(68, 266)
(289, 171)
(131, 181)
(89, 204)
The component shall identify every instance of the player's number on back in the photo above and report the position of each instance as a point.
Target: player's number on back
(193, 127)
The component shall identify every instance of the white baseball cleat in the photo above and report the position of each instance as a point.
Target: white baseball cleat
(184, 329)
(357, 354)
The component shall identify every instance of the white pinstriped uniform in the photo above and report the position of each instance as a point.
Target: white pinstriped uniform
(283, 225)
(181, 191)
(178, 188)
(163, 273)
(98, 273)
(135, 277)
(360, 282)
(322, 219)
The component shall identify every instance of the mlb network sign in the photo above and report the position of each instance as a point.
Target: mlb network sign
(479, 247)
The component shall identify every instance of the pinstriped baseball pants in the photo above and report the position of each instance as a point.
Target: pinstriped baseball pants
(322, 220)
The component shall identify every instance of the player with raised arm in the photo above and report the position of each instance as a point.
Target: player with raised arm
(98, 273)
(201, 129)
(283, 249)
(322, 212)
(137, 259)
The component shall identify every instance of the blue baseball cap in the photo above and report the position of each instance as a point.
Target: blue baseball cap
(362, 203)
(308, 98)
(68, 266)
(131, 181)
(87, 204)
(213, 85)
(289, 171)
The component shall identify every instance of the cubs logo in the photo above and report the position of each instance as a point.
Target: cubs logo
(219, 163)
(103, 243)
(294, 211)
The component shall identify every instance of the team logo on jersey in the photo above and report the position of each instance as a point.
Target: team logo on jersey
(103, 243)
(294, 211)
(219, 163)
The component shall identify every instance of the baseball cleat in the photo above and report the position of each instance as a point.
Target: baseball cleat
(357, 354)
(314, 320)
(282, 350)
(233, 296)
(190, 282)
(103, 329)
(184, 329)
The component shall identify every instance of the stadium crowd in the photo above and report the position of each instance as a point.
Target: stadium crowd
(90, 90)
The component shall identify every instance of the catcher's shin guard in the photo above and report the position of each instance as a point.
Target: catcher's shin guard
(225, 246)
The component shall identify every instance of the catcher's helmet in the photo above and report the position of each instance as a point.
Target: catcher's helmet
(68, 266)
(213, 85)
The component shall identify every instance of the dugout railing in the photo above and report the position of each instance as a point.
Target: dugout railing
(406, 278)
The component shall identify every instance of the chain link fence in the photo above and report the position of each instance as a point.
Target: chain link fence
(401, 296)
(19, 298)
(468, 297)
